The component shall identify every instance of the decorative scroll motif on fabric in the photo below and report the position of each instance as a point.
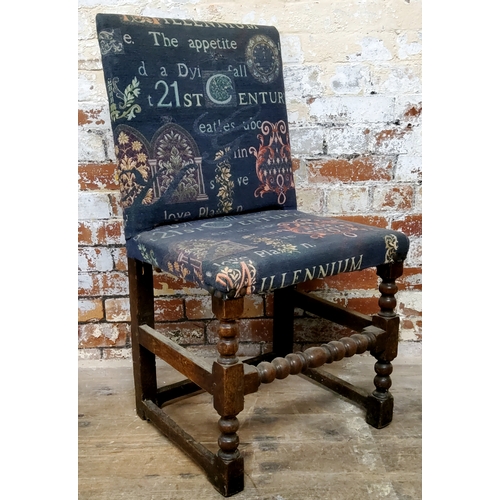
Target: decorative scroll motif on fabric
(225, 184)
(169, 169)
(127, 107)
(148, 255)
(237, 275)
(110, 42)
(319, 229)
(277, 244)
(391, 246)
(274, 162)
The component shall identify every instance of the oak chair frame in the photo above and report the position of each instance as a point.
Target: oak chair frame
(229, 379)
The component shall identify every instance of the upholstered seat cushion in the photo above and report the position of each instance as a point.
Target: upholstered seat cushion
(264, 251)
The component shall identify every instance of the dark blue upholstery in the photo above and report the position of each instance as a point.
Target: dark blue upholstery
(204, 161)
(199, 118)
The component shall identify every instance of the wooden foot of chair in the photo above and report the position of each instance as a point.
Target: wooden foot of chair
(380, 404)
(228, 383)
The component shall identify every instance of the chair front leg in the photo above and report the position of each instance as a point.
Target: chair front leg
(380, 404)
(228, 376)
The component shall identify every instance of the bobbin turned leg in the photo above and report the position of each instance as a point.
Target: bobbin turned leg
(380, 403)
(228, 395)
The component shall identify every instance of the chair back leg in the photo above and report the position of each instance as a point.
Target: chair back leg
(142, 312)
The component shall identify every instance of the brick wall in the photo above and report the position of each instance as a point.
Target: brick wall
(353, 81)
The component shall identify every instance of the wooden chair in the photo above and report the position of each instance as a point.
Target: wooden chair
(202, 147)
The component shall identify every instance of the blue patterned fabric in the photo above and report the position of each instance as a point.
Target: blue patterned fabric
(204, 163)
(199, 118)
(260, 252)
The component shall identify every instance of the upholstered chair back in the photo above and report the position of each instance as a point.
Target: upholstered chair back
(199, 118)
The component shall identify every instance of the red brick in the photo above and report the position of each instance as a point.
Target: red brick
(98, 284)
(392, 197)
(90, 116)
(199, 307)
(116, 208)
(366, 279)
(362, 168)
(411, 225)
(389, 134)
(269, 304)
(117, 310)
(84, 233)
(414, 111)
(251, 330)
(317, 330)
(411, 279)
(370, 220)
(165, 284)
(90, 310)
(256, 330)
(408, 311)
(120, 259)
(103, 335)
(253, 306)
(188, 332)
(94, 259)
(100, 232)
(364, 305)
(110, 232)
(169, 309)
(97, 176)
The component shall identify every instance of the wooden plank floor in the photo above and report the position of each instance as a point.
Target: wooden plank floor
(299, 440)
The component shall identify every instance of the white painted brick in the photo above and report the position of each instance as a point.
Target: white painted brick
(346, 140)
(310, 200)
(89, 354)
(95, 259)
(409, 300)
(406, 48)
(404, 103)
(91, 146)
(172, 10)
(414, 258)
(91, 87)
(364, 109)
(103, 330)
(89, 57)
(348, 199)
(417, 203)
(350, 79)
(306, 140)
(85, 281)
(396, 140)
(408, 169)
(302, 82)
(298, 113)
(372, 49)
(397, 79)
(412, 142)
(93, 205)
(291, 50)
